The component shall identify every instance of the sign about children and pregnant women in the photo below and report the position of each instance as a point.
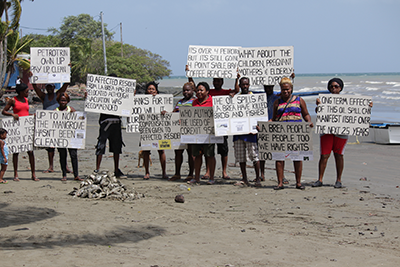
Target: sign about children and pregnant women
(213, 61)
(343, 115)
(50, 65)
(20, 133)
(109, 95)
(265, 65)
(285, 140)
(60, 129)
(239, 114)
(159, 131)
(197, 126)
(146, 104)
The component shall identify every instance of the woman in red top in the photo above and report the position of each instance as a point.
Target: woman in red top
(20, 107)
(203, 100)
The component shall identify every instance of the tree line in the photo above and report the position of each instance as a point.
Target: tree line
(83, 35)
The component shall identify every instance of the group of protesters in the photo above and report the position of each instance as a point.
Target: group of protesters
(282, 107)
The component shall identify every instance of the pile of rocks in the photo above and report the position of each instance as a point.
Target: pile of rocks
(103, 185)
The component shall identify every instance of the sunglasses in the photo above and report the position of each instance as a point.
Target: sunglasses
(334, 86)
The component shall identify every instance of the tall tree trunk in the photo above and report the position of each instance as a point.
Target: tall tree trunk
(3, 53)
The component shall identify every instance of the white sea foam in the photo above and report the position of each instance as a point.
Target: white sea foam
(311, 89)
(391, 97)
(373, 82)
(390, 93)
(395, 84)
(372, 88)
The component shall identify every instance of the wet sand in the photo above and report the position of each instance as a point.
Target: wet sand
(218, 225)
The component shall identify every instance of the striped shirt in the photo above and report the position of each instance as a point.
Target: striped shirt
(292, 111)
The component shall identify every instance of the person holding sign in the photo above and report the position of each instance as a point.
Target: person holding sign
(110, 129)
(186, 101)
(222, 148)
(289, 108)
(20, 107)
(332, 142)
(271, 98)
(246, 142)
(49, 101)
(198, 150)
(152, 89)
(63, 100)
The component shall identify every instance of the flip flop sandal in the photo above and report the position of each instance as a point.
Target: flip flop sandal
(174, 178)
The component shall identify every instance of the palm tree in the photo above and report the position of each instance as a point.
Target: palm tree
(7, 27)
(85, 59)
(15, 46)
(10, 14)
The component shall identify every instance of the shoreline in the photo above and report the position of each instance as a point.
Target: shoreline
(218, 225)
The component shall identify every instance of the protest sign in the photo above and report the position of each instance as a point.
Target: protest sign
(60, 129)
(265, 65)
(109, 95)
(197, 126)
(343, 115)
(50, 65)
(239, 114)
(145, 104)
(285, 140)
(160, 131)
(212, 61)
(20, 133)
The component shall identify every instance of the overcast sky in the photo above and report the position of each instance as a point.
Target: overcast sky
(329, 36)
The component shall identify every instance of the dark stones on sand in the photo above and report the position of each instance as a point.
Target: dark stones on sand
(180, 199)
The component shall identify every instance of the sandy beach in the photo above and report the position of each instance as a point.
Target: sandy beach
(218, 225)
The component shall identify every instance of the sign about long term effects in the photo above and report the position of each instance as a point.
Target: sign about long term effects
(60, 129)
(285, 140)
(197, 126)
(212, 61)
(343, 115)
(50, 65)
(239, 114)
(109, 95)
(145, 104)
(265, 65)
(20, 133)
(159, 131)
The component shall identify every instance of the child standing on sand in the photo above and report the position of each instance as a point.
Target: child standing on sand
(63, 100)
(3, 154)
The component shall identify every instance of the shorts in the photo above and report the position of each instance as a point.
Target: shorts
(223, 149)
(50, 149)
(240, 151)
(2, 160)
(114, 136)
(207, 150)
(330, 142)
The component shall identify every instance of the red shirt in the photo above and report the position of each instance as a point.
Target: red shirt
(207, 103)
(20, 108)
(214, 92)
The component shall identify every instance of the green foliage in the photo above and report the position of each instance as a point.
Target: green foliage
(83, 35)
(40, 40)
(85, 58)
(10, 13)
(81, 26)
(136, 63)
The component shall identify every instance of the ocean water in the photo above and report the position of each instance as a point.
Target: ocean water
(384, 88)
